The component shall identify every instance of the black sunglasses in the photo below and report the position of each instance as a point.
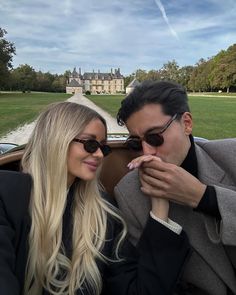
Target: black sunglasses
(153, 139)
(92, 145)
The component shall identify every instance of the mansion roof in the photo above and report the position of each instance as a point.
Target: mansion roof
(97, 75)
(133, 83)
(74, 83)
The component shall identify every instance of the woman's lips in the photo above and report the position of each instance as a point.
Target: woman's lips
(92, 165)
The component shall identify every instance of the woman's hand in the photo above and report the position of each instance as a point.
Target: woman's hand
(160, 207)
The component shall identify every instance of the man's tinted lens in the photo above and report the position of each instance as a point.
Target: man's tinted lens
(154, 139)
(134, 144)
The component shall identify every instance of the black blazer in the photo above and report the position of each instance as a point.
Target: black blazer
(154, 267)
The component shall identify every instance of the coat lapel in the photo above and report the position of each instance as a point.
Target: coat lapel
(201, 228)
(196, 225)
(208, 171)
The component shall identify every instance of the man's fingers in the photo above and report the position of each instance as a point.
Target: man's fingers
(153, 173)
(156, 164)
(155, 182)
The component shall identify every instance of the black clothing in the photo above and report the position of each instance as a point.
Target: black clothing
(145, 269)
(190, 162)
(208, 203)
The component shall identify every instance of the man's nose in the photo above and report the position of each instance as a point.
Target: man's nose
(148, 149)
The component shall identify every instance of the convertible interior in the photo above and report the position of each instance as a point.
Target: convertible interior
(113, 169)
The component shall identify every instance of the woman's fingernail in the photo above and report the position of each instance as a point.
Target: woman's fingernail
(131, 166)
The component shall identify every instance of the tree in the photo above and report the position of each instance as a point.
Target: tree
(24, 78)
(67, 75)
(141, 75)
(59, 83)
(200, 76)
(184, 75)
(154, 75)
(7, 50)
(170, 71)
(44, 81)
(224, 72)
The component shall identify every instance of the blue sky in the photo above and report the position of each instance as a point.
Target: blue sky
(56, 35)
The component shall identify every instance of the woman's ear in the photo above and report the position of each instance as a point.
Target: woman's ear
(188, 122)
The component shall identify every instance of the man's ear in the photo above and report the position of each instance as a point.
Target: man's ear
(188, 122)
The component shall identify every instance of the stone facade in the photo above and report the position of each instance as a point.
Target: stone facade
(96, 82)
(74, 87)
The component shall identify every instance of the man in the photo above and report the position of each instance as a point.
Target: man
(198, 178)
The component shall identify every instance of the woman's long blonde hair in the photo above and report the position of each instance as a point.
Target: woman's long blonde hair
(45, 159)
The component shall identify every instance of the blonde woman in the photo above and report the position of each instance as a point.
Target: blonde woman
(59, 234)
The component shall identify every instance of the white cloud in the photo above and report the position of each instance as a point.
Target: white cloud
(57, 35)
(163, 12)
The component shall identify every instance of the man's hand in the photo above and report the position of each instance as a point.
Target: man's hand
(160, 207)
(170, 182)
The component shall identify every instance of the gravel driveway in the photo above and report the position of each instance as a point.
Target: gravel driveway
(21, 134)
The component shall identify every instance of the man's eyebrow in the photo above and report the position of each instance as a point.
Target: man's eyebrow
(148, 131)
(154, 128)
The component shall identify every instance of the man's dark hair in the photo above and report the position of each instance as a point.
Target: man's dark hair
(171, 96)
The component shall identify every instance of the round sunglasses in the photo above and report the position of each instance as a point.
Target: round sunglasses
(153, 139)
(92, 145)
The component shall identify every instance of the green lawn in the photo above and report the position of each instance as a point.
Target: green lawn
(18, 108)
(109, 103)
(214, 116)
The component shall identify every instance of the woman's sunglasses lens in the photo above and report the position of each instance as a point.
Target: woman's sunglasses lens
(106, 150)
(91, 146)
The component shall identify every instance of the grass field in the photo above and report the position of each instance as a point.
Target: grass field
(214, 116)
(18, 108)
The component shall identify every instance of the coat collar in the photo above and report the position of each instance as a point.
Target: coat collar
(197, 225)
(208, 171)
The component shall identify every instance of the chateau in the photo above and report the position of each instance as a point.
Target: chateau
(95, 83)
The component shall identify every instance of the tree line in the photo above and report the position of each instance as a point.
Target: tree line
(24, 77)
(217, 73)
(213, 74)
